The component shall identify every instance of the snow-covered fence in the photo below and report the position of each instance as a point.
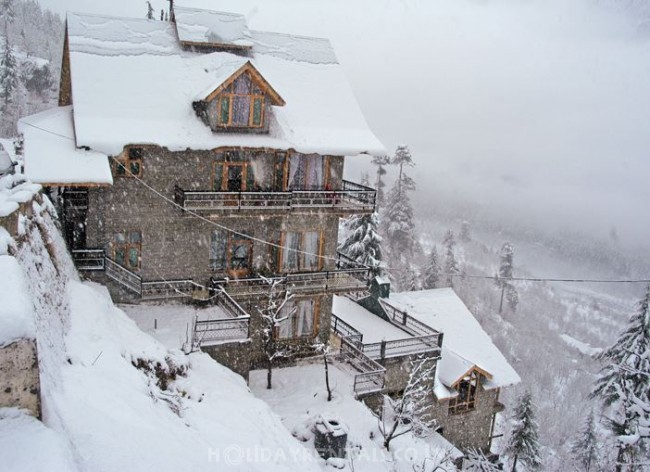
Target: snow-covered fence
(353, 198)
(371, 377)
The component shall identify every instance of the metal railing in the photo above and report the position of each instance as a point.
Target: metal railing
(123, 276)
(163, 289)
(88, 259)
(371, 377)
(324, 281)
(403, 347)
(344, 330)
(210, 332)
(353, 198)
(407, 322)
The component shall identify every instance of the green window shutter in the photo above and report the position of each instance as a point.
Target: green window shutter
(257, 112)
(218, 246)
(134, 256)
(217, 177)
(250, 177)
(224, 112)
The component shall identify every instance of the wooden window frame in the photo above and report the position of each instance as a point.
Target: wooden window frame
(459, 404)
(301, 246)
(230, 241)
(294, 323)
(126, 246)
(132, 155)
(230, 94)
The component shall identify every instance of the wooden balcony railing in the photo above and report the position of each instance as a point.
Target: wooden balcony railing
(352, 198)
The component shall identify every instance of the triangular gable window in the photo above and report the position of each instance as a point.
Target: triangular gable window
(241, 102)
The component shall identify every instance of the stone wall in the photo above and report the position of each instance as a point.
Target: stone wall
(19, 377)
(470, 429)
(236, 356)
(176, 245)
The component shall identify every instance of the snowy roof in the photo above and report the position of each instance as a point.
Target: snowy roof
(133, 83)
(198, 26)
(373, 328)
(466, 346)
(7, 148)
(51, 156)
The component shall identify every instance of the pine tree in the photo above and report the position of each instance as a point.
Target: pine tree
(465, 232)
(523, 444)
(402, 158)
(585, 448)
(149, 11)
(7, 11)
(381, 162)
(399, 225)
(623, 386)
(432, 271)
(9, 79)
(451, 264)
(364, 243)
(505, 273)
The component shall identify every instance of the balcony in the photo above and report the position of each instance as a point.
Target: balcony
(352, 199)
(348, 276)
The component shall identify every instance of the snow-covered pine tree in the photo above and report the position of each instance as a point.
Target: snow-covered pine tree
(623, 386)
(402, 158)
(465, 231)
(523, 444)
(585, 448)
(502, 281)
(9, 75)
(398, 223)
(7, 11)
(412, 281)
(451, 264)
(363, 243)
(381, 162)
(149, 11)
(432, 272)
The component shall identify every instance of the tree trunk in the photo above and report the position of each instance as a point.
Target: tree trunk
(269, 374)
(327, 379)
(514, 464)
(503, 289)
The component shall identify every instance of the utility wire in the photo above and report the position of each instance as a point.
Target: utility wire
(273, 244)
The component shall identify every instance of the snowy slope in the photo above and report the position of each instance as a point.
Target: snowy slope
(106, 413)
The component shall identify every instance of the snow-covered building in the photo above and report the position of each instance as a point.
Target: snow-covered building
(470, 370)
(197, 154)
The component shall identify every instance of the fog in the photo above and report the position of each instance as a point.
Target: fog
(536, 110)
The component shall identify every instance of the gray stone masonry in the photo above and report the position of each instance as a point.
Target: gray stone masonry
(236, 356)
(19, 377)
(470, 429)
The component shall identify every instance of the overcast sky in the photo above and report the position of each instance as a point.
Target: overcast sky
(534, 109)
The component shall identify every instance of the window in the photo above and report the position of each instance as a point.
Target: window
(305, 172)
(127, 248)
(466, 399)
(241, 104)
(301, 321)
(230, 252)
(301, 251)
(129, 163)
(234, 175)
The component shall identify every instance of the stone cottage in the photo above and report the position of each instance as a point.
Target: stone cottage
(197, 155)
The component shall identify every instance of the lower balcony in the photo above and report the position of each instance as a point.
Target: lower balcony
(347, 277)
(351, 199)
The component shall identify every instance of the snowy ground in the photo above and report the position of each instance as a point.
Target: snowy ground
(299, 397)
(170, 324)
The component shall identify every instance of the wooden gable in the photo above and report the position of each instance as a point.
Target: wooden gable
(474, 369)
(257, 79)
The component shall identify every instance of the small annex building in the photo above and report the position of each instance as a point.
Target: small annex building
(470, 371)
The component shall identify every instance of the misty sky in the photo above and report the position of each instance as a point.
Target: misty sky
(534, 109)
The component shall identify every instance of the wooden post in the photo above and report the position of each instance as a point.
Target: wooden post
(382, 349)
(503, 289)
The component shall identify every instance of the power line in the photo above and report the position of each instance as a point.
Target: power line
(320, 256)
